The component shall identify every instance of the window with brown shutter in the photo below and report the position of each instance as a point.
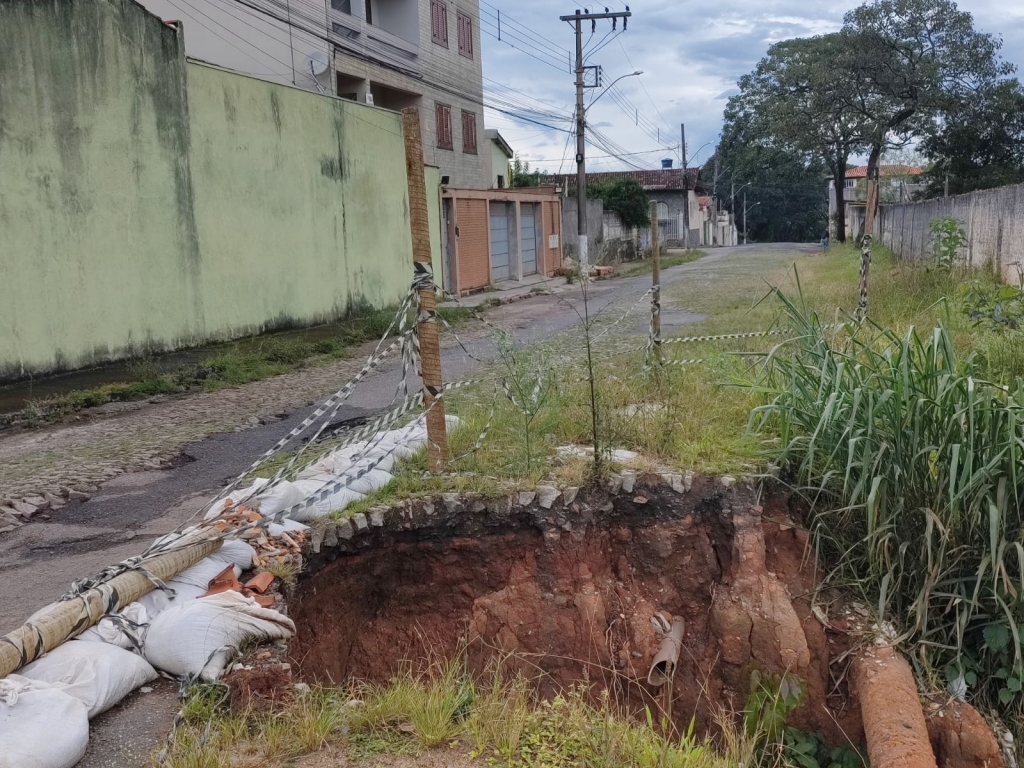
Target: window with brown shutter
(444, 126)
(469, 132)
(439, 22)
(465, 35)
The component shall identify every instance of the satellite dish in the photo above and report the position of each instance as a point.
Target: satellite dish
(317, 63)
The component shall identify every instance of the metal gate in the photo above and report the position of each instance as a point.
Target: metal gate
(529, 236)
(499, 242)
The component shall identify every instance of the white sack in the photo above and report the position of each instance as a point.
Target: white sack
(40, 726)
(97, 674)
(109, 630)
(282, 496)
(334, 503)
(158, 601)
(203, 636)
(285, 526)
(371, 482)
(233, 552)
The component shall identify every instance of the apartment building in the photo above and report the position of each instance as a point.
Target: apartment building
(389, 53)
(421, 53)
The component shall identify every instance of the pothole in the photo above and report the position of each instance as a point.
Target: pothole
(570, 593)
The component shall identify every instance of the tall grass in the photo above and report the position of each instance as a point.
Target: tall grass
(913, 464)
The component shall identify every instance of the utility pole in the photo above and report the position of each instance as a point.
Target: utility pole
(577, 20)
(744, 218)
(686, 190)
(947, 186)
(714, 194)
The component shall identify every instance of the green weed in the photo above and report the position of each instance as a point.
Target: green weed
(912, 460)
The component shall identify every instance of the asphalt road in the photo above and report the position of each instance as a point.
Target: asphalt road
(39, 561)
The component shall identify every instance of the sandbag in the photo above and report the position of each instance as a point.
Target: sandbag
(233, 552)
(282, 496)
(158, 601)
(285, 526)
(336, 502)
(371, 482)
(40, 726)
(97, 674)
(203, 636)
(125, 629)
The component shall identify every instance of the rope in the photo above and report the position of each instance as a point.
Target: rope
(865, 269)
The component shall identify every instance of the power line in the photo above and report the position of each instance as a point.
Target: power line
(504, 106)
(230, 31)
(602, 44)
(606, 157)
(527, 30)
(653, 104)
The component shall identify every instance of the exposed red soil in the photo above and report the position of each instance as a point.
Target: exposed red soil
(260, 683)
(894, 725)
(962, 739)
(572, 591)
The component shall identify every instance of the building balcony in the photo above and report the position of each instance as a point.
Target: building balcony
(383, 30)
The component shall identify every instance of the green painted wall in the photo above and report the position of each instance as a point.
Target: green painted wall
(147, 202)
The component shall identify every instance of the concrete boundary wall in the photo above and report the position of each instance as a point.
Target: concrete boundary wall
(993, 220)
(149, 202)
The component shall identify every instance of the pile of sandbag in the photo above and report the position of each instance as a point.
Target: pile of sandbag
(45, 708)
(185, 629)
(365, 466)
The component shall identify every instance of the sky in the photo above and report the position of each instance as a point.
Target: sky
(691, 54)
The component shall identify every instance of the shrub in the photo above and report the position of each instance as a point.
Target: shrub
(627, 198)
(948, 238)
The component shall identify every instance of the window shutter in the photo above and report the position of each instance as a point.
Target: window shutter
(444, 126)
(465, 35)
(469, 132)
(439, 22)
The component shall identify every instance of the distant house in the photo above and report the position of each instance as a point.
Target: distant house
(897, 184)
(501, 155)
(668, 188)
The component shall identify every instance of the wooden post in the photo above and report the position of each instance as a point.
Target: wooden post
(656, 282)
(430, 345)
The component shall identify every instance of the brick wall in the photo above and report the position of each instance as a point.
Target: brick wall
(474, 246)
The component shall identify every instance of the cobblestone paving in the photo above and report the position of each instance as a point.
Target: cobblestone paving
(47, 464)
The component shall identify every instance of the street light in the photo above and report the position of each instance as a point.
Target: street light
(694, 155)
(602, 93)
(745, 210)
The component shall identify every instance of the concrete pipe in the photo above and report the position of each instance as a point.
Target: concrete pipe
(663, 668)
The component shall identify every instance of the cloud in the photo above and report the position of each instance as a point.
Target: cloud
(691, 54)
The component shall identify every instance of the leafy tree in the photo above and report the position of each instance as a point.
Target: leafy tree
(626, 197)
(906, 61)
(794, 102)
(783, 186)
(521, 176)
(979, 143)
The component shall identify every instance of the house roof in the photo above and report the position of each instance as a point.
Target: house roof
(661, 178)
(705, 202)
(491, 134)
(861, 172)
